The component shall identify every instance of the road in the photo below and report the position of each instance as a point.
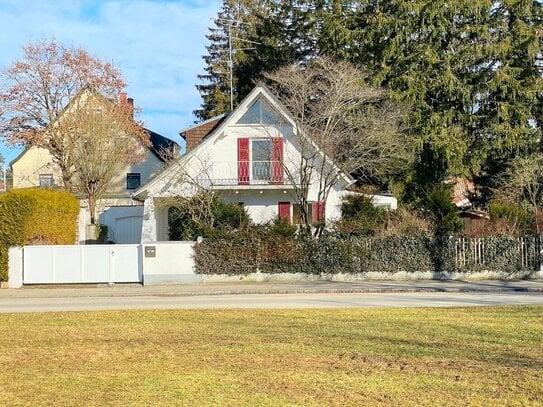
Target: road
(270, 301)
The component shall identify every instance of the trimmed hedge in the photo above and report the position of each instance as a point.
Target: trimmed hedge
(246, 253)
(35, 216)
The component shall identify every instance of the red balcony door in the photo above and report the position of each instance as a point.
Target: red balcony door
(243, 161)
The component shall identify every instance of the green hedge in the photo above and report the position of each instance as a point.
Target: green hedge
(245, 253)
(35, 216)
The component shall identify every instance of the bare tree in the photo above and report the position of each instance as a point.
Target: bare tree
(342, 125)
(105, 138)
(523, 184)
(36, 89)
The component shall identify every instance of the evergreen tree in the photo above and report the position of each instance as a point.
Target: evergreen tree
(468, 68)
(267, 34)
(233, 29)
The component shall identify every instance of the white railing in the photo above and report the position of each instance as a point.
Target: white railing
(232, 173)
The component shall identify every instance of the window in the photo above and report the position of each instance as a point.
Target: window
(261, 157)
(46, 180)
(260, 112)
(133, 180)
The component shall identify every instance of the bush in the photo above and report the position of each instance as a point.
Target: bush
(399, 253)
(482, 228)
(248, 252)
(358, 216)
(188, 220)
(439, 204)
(518, 218)
(404, 222)
(35, 216)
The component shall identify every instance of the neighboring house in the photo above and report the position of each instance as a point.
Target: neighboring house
(34, 167)
(245, 156)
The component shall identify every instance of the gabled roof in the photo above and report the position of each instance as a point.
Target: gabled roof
(232, 118)
(158, 145)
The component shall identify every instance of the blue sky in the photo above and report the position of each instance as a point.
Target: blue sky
(158, 45)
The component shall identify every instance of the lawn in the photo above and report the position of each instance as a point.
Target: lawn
(457, 356)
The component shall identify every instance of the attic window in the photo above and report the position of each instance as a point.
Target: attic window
(260, 112)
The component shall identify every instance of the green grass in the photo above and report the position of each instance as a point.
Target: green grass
(458, 356)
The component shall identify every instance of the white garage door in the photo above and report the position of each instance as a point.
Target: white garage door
(128, 229)
(124, 223)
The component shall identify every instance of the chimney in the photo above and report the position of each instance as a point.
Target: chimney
(130, 102)
(122, 97)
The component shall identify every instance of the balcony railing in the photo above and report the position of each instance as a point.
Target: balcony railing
(232, 173)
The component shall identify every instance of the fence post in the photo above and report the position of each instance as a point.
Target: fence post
(540, 247)
(111, 265)
(15, 267)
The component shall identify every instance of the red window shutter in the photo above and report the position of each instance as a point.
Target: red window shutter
(284, 211)
(243, 161)
(318, 211)
(277, 160)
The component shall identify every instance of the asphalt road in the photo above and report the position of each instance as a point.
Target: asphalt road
(270, 301)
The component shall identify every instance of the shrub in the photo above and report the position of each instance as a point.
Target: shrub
(404, 222)
(245, 253)
(518, 218)
(482, 228)
(439, 204)
(35, 216)
(399, 253)
(358, 216)
(191, 218)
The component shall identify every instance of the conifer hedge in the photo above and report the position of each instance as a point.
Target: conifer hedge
(241, 254)
(35, 216)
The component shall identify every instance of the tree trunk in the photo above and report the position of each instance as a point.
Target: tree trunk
(92, 208)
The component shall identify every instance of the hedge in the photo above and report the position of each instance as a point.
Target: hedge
(244, 254)
(35, 216)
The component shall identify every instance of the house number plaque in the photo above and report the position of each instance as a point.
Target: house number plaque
(150, 251)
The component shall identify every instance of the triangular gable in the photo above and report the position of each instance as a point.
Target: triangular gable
(258, 95)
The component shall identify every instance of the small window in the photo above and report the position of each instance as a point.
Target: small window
(46, 180)
(133, 180)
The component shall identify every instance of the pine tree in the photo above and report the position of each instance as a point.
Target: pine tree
(267, 34)
(235, 23)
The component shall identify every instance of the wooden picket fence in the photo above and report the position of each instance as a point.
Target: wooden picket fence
(471, 251)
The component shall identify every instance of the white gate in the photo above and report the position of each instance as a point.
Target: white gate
(82, 264)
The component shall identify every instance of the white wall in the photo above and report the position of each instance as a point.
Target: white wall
(172, 262)
(152, 263)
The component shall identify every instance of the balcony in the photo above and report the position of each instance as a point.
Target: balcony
(245, 174)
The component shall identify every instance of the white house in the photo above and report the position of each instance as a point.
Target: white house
(122, 214)
(245, 156)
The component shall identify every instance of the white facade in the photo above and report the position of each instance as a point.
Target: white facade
(254, 164)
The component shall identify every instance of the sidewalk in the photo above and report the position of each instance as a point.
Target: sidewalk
(185, 290)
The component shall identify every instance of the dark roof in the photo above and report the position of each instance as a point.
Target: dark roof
(159, 143)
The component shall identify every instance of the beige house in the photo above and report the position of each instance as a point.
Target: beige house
(122, 214)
